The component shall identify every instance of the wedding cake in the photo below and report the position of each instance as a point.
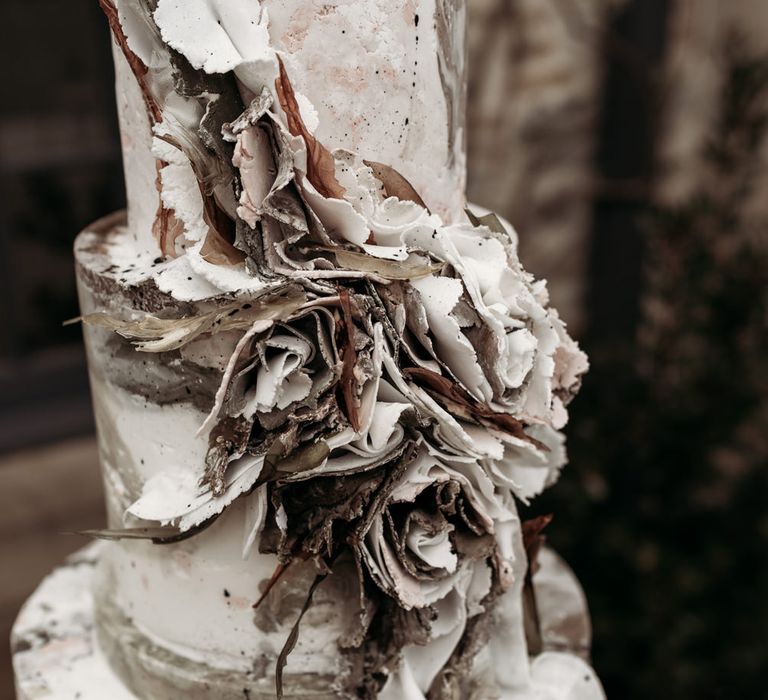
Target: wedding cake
(322, 382)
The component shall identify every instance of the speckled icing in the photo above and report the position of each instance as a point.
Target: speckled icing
(56, 654)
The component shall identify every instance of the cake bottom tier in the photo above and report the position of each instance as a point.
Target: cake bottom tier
(177, 620)
(61, 651)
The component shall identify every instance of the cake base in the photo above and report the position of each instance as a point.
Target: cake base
(56, 653)
(53, 642)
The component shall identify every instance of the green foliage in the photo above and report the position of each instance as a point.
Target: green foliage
(663, 512)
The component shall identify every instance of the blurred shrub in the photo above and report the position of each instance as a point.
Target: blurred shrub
(669, 441)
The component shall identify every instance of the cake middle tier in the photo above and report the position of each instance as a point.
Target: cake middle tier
(384, 79)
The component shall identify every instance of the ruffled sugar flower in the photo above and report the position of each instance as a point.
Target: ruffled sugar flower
(276, 392)
(491, 327)
(434, 549)
(434, 525)
(526, 468)
(321, 215)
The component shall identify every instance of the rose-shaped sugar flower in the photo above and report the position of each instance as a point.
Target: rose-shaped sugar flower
(276, 394)
(275, 223)
(370, 216)
(384, 416)
(271, 377)
(434, 525)
(379, 441)
(437, 543)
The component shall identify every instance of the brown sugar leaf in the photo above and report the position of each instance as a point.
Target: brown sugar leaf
(349, 360)
(136, 64)
(459, 402)
(166, 227)
(277, 574)
(533, 540)
(321, 167)
(395, 185)
(218, 248)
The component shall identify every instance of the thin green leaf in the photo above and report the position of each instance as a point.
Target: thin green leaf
(293, 637)
(414, 267)
(156, 535)
(305, 458)
(153, 334)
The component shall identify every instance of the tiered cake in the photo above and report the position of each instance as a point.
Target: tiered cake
(321, 386)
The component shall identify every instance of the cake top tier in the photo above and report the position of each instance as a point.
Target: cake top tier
(385, 80)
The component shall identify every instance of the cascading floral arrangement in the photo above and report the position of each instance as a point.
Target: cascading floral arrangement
(398, 382)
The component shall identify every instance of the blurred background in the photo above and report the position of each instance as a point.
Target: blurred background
(627, 140)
